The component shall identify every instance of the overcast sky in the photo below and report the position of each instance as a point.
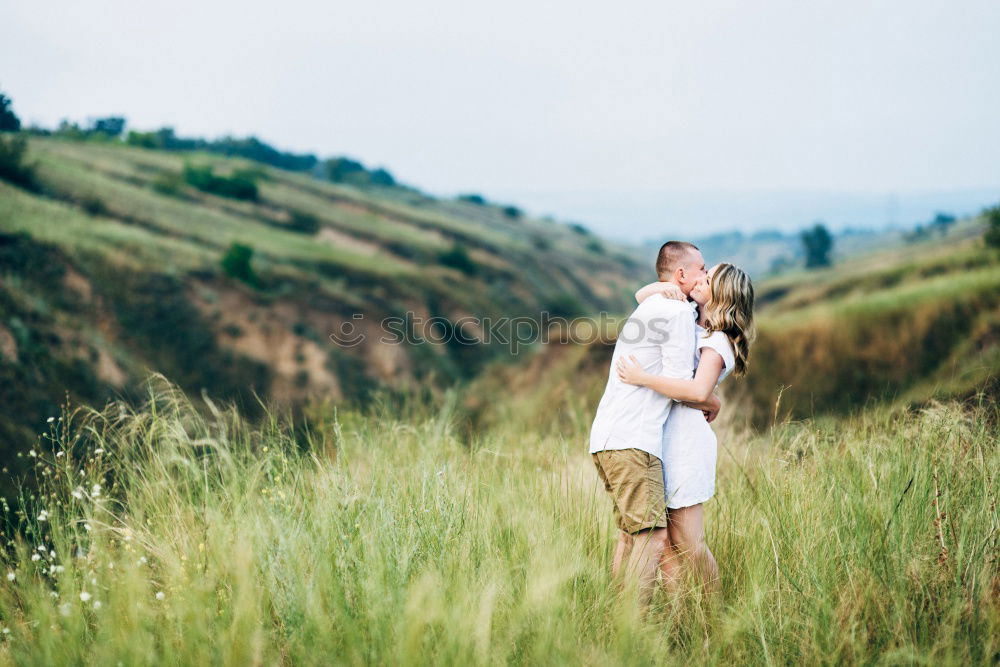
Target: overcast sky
(633, 107)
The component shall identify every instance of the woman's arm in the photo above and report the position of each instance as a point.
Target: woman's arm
(667, 289)
(697, 390)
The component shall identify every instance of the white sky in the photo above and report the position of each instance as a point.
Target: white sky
(549, 103)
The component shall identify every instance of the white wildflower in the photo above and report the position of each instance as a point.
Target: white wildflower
(58, 568)
(43, 515)
(64, 609)
(142, 560)
(11, 576)
(32, 453)
(95, 490)
(35, 557)
(97, 604)
(160, 595)
(53, 594)
(86, 527)
(99, 450)
(84, 595)
(50, 420)
(41, 547)
(78, 493)
(6, 631)
(52, 554)
(58, 454)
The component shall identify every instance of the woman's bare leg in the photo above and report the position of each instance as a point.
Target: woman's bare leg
(687, 536)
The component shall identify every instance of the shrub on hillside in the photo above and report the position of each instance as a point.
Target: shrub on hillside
(13, 167)
(992, 235)
(457, 257)
(472, 198)
(512, 212)
(236, 264)
(300, 221)
(92, 205)
(565, 305)
(240, 185)
(541, 242)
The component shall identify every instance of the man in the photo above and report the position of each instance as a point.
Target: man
(626, 436)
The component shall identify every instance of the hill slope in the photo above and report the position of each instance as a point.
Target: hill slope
(114, 266)
(905, 325)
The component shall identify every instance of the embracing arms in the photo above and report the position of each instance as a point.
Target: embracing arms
(696, 392)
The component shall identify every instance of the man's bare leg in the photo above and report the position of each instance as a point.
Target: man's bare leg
(622, 552)
(687, 535)
(671, 567)
(644, 560)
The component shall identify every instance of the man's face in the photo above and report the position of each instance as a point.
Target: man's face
(691, 271)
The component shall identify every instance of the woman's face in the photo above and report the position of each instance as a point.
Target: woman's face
(702, 291)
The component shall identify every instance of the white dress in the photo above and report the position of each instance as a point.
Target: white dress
(690, 448)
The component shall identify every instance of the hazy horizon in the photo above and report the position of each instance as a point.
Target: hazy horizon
(637, 216)
(565, 108)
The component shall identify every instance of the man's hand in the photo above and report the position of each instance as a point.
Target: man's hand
(709, 408)
(713, 411)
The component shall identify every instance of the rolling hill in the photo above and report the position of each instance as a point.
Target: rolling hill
(900, 327)
(123, 259)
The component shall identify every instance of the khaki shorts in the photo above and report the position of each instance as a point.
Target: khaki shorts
(634, 479)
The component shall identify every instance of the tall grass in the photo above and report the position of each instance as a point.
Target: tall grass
(386, 536)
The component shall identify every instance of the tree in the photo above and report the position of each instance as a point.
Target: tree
(112, 126)
(992, 235)
(13, 167)
(382, 177)
(817, 243)
(9, 122)
(941, 222)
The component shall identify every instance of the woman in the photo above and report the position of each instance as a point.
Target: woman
(725, 331)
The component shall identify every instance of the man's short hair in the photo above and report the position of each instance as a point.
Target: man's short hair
(672, 253)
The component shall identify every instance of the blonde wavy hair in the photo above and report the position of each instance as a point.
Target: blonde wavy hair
(730, 310)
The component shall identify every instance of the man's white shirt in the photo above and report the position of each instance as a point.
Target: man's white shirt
(660, 333)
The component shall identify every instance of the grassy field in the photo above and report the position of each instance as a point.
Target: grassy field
(395, 535)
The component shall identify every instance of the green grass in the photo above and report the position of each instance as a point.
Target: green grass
(389, 537)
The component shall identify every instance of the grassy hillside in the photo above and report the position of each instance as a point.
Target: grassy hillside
(901, 326)
(905, 325)
(112, 266)
(164, 535)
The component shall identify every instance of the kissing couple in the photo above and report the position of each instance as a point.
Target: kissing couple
(651, 439)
